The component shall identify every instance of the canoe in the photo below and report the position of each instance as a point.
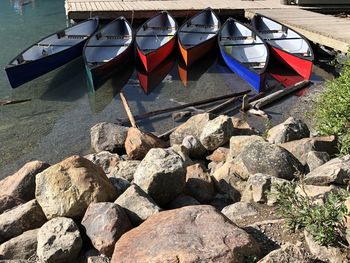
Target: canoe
(244, 52)
(156, 39)
(286, 45)
(50, 52)
(108, 49)
(198, 35)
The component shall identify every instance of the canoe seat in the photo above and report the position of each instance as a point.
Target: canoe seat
(202, 25)
(242, 44)
(145, 26)
(254, 64)
(283, 30)
(120, 45)
(52, 45)
(77, 36)
(118, 37)
(156, 35)
(198, 32)
(238, 37)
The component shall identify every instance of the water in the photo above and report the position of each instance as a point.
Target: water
(56, 122)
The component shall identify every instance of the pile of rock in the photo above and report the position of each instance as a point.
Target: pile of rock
(160, 202)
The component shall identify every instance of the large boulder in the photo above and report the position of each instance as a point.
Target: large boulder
(216, 132)
(193, 126)
(290, 130)
(267, 158)
(336, 171)
(108, 137)
(199, 183)
(20, 219)
(106, 160)
(161, 174)
(137, 204)
(189, 234)
(237, 144)
(138, 143)
(8, 202)
(20, 247)
(67, 188)
(239, 211)
(105, 223)
(22, 183)
(59, 241)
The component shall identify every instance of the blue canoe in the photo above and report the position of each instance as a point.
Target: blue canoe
(244, 52)
(50, 53)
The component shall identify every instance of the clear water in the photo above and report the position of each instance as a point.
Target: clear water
(56, 122)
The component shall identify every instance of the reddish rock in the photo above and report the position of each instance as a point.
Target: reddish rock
(189, 234)
(22, 183)
(137, 143)
(105, 223)
(8, 202)
(219, 155)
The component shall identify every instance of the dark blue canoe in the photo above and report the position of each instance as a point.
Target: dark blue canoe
(244, 52)
(50, 52)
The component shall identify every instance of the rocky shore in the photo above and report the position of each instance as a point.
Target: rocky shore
(203, 196)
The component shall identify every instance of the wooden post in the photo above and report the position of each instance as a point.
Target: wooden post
(127, 110)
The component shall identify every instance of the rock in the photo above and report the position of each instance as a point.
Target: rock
(106, 160)
(120, 184)
(138, 143)
(125, 170)
(216, 132)
(108, 137)
(98, 259)
(239, 210)
(301, 148)
(213, 166)
(258, 188)
(105, 223)
(288, 253)
(220, 201)
(346, 221)
(316, 159)
(59, 241)
(267, 158)
(20, 247)
(335, 171)
(161, 174)
(193, 126)
(181, 201)
(182, 151)
(137, 204)
(199, 183)
(241, 127)
(22, 183)
(326, 254)
(189, 234)
(317, 194)
(181, 115)
(290, 130)
(15, 261)
(67, 188)
(8, 202)
(194, 147)
(219, 155)
(237, 144)
(20, 219)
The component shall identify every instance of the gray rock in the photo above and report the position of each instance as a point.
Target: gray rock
(20, 219)
(288, 253)
(237, 144)
(98, 259)
(194, 147)
(317, 194)
(216, 132)
(137, 204)
(20, 247)
(15, 261)
(108, 137)
(181, 201)
(239, 211)
(335, 171)
(182, 151)
(106, 160)
(161, 174)
(59, 241)
(105, 223)
(21, 184)
(120, 184)
(125, 170)
(290, 130)
(241, 127)
(316, 159)
(193, 126)
(8, 202)
(266, 158)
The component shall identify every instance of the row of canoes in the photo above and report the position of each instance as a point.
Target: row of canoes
(245, 48)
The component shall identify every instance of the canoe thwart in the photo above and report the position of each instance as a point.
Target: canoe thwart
(156, 35)
(145, 26)
(238, 37)
(99, 36)
(116, 45)
(198, 32)
(242, 44)
(201, 25)
(52, 45)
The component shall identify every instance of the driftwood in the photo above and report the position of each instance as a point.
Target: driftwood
(8, 102)
(127, 110)
(187, 105)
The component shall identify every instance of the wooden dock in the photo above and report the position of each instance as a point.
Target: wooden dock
(323, 29)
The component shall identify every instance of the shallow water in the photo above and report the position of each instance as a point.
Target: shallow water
(56, 122)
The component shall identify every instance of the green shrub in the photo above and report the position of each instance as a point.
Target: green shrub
(332, 109)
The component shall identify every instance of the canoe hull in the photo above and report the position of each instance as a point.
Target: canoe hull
(153, 59)
(254, 79)
(191, 55)
(302, 66)
(22, 73)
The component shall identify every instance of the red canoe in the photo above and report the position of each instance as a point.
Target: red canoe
(198, 35)
(156, 39)
(286, 45)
